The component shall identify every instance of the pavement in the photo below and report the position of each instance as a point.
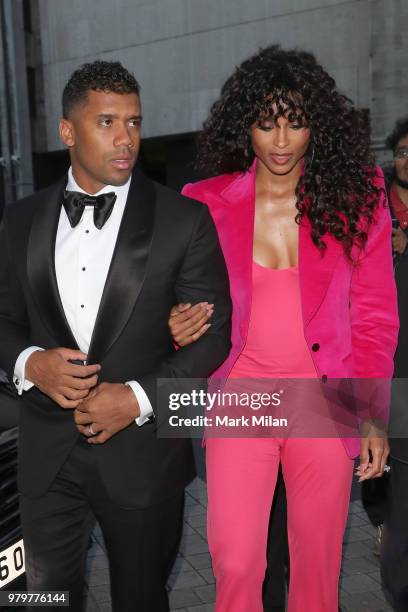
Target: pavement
(192, 585)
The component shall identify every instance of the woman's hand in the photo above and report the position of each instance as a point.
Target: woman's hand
(399, 241)
(188, 323)
(374, 451)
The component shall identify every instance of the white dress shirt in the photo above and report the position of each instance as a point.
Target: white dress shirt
(83, 256)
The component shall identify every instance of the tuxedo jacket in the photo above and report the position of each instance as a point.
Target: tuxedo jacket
(167, 251)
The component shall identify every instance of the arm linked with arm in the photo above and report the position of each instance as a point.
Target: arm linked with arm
(203, 277)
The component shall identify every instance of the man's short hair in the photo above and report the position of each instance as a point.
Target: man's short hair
(109, 77)
(400, 131)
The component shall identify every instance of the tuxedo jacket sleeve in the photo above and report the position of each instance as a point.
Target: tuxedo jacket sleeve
(14, 332)
(202, 277)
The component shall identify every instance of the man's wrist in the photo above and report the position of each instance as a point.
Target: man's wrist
(146, 411)
(29, 366)
(134, 408)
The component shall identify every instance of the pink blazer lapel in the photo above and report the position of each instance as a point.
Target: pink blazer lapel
(315, 269)
(237, 238)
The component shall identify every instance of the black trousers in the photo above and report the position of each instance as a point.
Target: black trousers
(276, 575)
(394, 554)
(374, 498)
(141, 543)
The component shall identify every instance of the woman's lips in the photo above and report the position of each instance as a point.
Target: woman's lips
(281, 159)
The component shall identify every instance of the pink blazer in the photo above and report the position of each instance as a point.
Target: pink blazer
(349, 309)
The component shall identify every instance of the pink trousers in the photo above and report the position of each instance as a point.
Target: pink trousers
(241, 477)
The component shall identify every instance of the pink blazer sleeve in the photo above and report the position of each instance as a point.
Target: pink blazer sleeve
(373, 300)
(374, 318)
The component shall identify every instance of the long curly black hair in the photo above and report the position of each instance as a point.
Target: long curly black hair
(336, 189)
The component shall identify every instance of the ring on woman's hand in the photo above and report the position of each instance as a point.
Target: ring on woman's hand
(387, 468)
(91, 431)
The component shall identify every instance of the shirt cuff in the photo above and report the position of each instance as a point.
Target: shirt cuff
(146, 410)
(21, 383)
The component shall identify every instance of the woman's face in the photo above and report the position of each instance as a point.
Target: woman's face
(280, 145)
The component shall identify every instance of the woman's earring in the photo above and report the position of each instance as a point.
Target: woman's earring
(312, 157)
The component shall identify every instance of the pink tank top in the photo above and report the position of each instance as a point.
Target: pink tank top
(275, 346)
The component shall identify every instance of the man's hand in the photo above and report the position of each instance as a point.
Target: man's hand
(66, 383)
(188, 323)
(109, 408)
(399, 241)
(373, 441)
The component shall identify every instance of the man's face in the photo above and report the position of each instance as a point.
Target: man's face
(401, 159)
(103, 137)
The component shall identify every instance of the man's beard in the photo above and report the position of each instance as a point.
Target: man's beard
(401, 183)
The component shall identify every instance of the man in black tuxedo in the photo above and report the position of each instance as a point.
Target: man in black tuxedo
(89, 270)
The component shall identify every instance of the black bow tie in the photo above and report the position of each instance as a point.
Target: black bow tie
(75, 202)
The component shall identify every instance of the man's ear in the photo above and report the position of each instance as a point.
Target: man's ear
(67, 132)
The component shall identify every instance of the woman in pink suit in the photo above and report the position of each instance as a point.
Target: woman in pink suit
(301, 215)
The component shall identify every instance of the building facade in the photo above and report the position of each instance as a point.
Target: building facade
(181, 51)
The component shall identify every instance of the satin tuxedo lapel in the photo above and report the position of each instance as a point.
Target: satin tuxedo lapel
(315, 270)
(41, 266)
(127, 270)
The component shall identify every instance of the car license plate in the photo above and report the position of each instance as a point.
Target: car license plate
(11, 563)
